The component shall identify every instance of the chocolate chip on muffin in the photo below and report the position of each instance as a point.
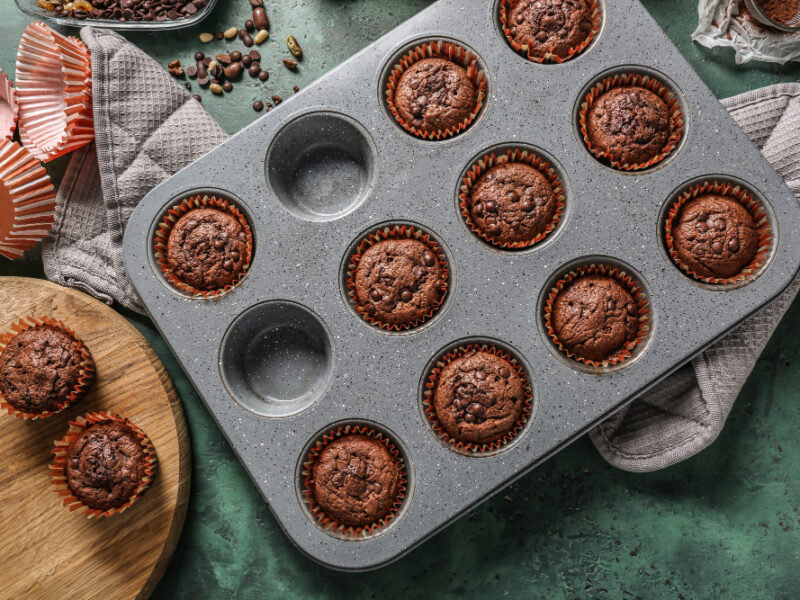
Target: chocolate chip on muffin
(356, 480)
(479, 397)
(399, 281)
(714, 236)
(630, 124)
(40, 368)
(207, 249)
(594, 316)
(550, 26)
(512, 202)
(435, 94)
(106, 465)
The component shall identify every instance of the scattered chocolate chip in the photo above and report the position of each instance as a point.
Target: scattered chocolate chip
(246, 38)
(188, 85)
(255, 55)
(227, 86)
(249, 25)
(247, 60)
(263, 75)
(256, 3)
(197, 97)
(277, 100)
(220, 35)
(296, 89)
(254, 69)
(191, 71)
(258, 106)
(236, 56)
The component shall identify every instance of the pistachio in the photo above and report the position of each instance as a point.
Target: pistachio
(230, 33)
(261, 36)
(206, 37)
(294, 47)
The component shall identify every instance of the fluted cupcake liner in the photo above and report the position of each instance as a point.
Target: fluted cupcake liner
(58, 468)
(634, 288)
(85, 377)
(307, 473)
(634, 80)
(168, 222)
(54, 89)
(510, 156)
(548, 57)
(27, 200)
(396, 232)
(9, 108)
(437, 49)
(430, 412)
(748, 201)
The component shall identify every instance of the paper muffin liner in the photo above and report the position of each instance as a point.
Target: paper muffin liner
(634, 288)
(307, 473)
(54, 89)
(513, 155)
(548, 57)
(438, 49)
(168, 222)
(85, 377)
(430, 412)
(9, 108)
(396, 232)
(27, 200)
(58, 469)
(743, 197)
(634, 80)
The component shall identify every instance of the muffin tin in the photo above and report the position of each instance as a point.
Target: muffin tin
(283, 357)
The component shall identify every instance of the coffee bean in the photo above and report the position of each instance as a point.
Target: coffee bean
(236, 56)
(263, 75)
(247, 60)
(254, 69)
(255, 55)
(233, 70)
(258, 106)
(246, 38)
(227, 86)
(260, 17)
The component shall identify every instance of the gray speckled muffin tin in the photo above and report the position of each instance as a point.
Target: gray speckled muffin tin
(284, 357)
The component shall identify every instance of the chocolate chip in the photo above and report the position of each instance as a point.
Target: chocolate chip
(631, 308)
(733, 245)
(277, 100)
(263, 75)
(249, 25)
(236, 56)
(197, 97)
(505, 372)
(246, 38)
(227, 86)
(428, 259)
(247, 60)
(406, 295)
(376, 295)
(191, 71)
(255, 3)
(255, 55)
(717, 247)
(258, 106)
(296, 89)
(254, 69)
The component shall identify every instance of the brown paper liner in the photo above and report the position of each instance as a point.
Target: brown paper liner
(743, 197)
(635, 289)
(307, 472)
(438, 49)
(527, 52)
(430, 412)
(58, 469)
(634, 80)
(54, 91)
(513, 155)
(85, 378)
(168, 222)
(395, 232)
(27, 200)
(9, 108)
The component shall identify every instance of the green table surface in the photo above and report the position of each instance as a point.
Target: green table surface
(725, 524)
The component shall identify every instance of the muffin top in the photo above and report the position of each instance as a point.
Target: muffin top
(714, 236)
(631, 124)
(478, 397)
(356, 480)
(399, 281)
(207, 249)
(39, 369)
(594, 316)
(106, 465)
(435, 94)
(512, 202)
(553, 26)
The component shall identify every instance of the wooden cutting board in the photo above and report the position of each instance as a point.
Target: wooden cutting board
(46, 551)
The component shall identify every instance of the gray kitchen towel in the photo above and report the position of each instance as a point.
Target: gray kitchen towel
(686, 412)
(147, 127)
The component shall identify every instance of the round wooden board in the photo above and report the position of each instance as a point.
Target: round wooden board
(47, 551)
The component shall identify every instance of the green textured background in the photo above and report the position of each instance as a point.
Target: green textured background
(722, 525)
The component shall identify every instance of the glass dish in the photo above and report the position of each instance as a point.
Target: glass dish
(31, 8)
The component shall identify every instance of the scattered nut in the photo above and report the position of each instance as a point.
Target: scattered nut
(246, 38)
(247, 60)
(261, 36)
(175, 68)
(216, 88)
(206, 37)
(255, 55)
(290, 64)
(225, 59)
(48, 6)
(197, 97)
(294, 47)
(230, 33)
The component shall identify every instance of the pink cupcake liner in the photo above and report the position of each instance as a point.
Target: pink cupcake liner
(54, 90)
(27, 200)
(9, 109)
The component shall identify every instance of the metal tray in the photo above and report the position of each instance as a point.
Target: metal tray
(330, 163)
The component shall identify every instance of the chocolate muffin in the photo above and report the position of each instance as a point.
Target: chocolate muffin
(356, 480)
(207, 249)
(106, 465)
(40, 368)
(435, 94)
(630, 124)
(594, 316)
(550, 26)
(512, 202)
(714, 236)
(399, 281)
(479, 397)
